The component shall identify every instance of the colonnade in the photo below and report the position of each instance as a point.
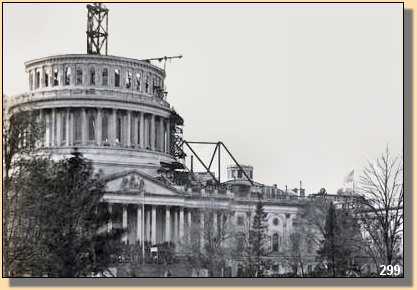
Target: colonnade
(163, 223)
(105, 127)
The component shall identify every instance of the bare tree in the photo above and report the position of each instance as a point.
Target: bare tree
(216, 241)
(381, 207)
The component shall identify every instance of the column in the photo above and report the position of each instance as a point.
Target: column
(139, 223)
(58, 129)
(53, 128)
(135, 131)
(129, 129)
(67, 129)
(181, 234)
(152, 132)
(84, 127)
(153, 234)
(124, 238)
(161, 134)
(215, 222)
(201, 229)
(110, 224)
(112, 128)
(148, 226)
(142, 131)
(72, 129)
(189, 221)
(175, 234)
(167, 223)
(99, 125)
(43, 127)
(168, 145)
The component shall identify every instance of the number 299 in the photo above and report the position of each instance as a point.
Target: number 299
(390, 270)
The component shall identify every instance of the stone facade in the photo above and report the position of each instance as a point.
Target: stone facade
(114, 110)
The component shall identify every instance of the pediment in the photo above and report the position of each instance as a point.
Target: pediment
(134, 181)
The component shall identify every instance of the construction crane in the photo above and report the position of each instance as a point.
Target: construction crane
(165, 58)
(97, 28)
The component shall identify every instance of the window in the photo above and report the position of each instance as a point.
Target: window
(46, 79)
(79, 76)
(138, 140)
(64, 128)
(250, 174)
(104, 128)
(55, 77)
(30, 81)
(67, 76)
(275, 243)
(91, 128)
(105, 75)
(119, 130)
(128, 80)
(117, 78)
(275, 221)
(240, 220)
(77, 127)
(37, 79)
(138, 81)
(147, 85)
(239, 174)
(132, 131)
(92, 76)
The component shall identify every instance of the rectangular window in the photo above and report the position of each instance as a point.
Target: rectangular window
(104, 129)
(119, 130)
(67, 76)
(104, 75)
(138, 81)
(92, 76)
(79, 76)
(55, 77)
(117, 78)
(77, 128)
(30, 81)
(46, 79)
(64, 129)
(91, 128)
(37, 79)
(132, 131)
(138, 124)
(128, 80)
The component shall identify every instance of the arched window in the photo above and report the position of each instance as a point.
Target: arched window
(92, 76)
(128, 80)
(138, 81)
(105, 75)
(67, 76)
(105, 128)
(91, 128)
(79, 76)
(116, 78)
(275, 242)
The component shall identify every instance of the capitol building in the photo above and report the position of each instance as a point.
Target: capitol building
(115, 111)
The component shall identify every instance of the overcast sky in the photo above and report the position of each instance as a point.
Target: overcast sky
(300, 91)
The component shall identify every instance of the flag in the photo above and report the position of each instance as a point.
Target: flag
(350, 176)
